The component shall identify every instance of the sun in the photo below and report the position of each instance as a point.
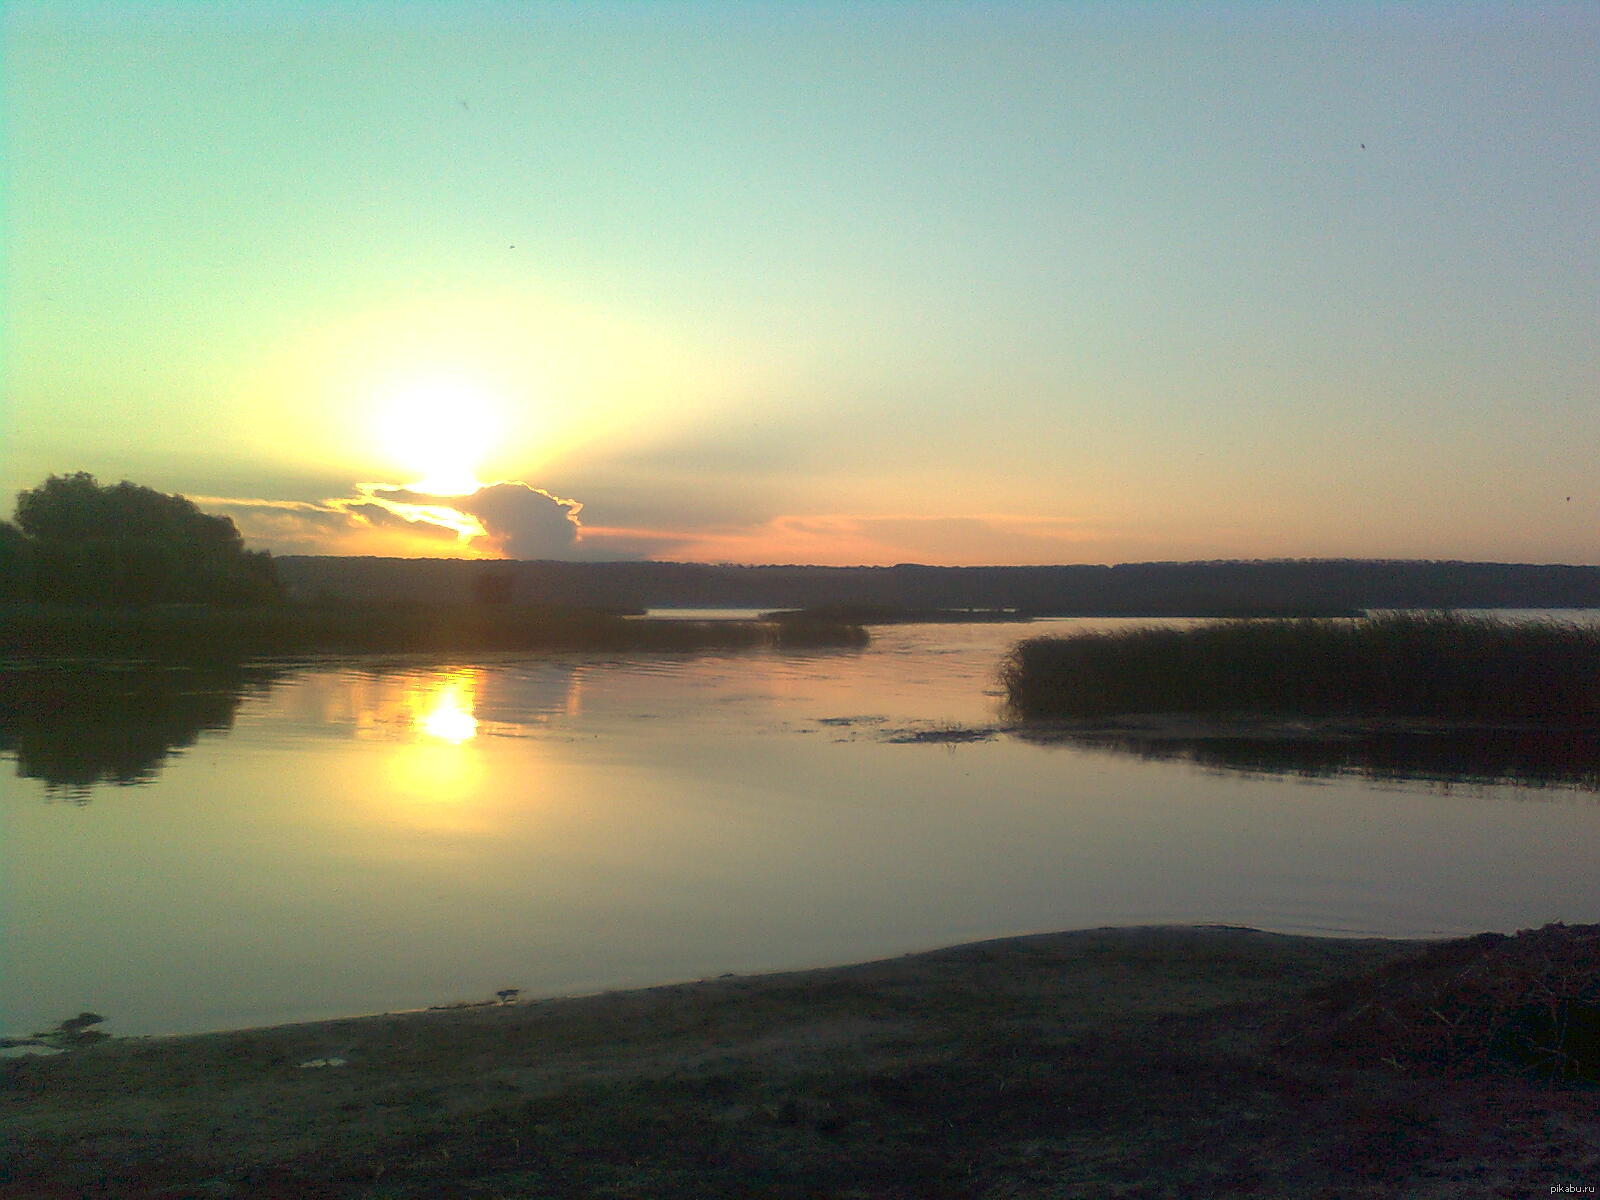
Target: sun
(437, 432)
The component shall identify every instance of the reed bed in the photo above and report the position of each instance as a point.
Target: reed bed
(1429, 665)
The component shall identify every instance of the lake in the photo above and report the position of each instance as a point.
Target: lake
(187, 851)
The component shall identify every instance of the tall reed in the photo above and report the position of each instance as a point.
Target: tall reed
(1439, 665)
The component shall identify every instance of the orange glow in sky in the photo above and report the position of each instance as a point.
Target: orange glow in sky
(943, 283)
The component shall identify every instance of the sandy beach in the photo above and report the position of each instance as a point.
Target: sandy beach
(1142, 1062)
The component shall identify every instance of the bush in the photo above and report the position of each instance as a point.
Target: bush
(76, 542)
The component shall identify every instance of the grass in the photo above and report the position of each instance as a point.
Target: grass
(192, 631)
(1436, 666)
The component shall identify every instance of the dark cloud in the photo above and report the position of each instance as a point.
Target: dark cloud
(522, 521)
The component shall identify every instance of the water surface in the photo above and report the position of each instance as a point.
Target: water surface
(294, 842)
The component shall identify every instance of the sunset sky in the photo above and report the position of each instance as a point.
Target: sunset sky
(815, 282)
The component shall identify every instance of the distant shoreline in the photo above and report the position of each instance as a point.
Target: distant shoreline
(1270, 587)
(210, 633)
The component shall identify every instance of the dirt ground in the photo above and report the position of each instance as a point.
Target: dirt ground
(1156, 1062)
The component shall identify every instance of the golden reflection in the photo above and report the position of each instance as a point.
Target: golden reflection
(444, 710)
(431, 772)
(444, 705)
(438, 767)
(446, 735)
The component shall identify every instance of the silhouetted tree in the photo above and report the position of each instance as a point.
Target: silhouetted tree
(16, 564)
(124, 544)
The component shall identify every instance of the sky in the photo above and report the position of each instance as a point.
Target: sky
(834, 283)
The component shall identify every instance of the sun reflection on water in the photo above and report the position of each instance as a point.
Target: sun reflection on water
(439, 761)
(444, 710)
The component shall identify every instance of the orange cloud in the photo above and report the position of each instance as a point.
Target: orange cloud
(354, 526)
(839, 539)
(512, 519)
(506, 519)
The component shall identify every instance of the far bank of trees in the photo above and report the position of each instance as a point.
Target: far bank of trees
(75, 541)
(1278, 587)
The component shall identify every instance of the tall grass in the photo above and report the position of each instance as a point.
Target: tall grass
(1417, 665)
(195, 632)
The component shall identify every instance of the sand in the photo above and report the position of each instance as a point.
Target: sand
(1144, 1062)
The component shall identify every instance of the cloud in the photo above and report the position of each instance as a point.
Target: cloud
(521, 521)
(507, 519)
(292, 526)
(514, 519)
(347, 525)
(510, 518)
(382, 516)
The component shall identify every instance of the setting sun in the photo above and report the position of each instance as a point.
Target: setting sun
(437, 433)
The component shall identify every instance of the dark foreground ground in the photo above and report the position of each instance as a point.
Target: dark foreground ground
(1164, 1062)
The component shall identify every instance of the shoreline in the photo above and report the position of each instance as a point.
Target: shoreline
(524, 997)
(528, 998)
(1089, 1062)
(213, 634)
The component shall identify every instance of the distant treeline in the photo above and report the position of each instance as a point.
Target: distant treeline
(1299, 587)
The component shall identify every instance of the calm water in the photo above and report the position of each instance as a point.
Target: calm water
(197, 852)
